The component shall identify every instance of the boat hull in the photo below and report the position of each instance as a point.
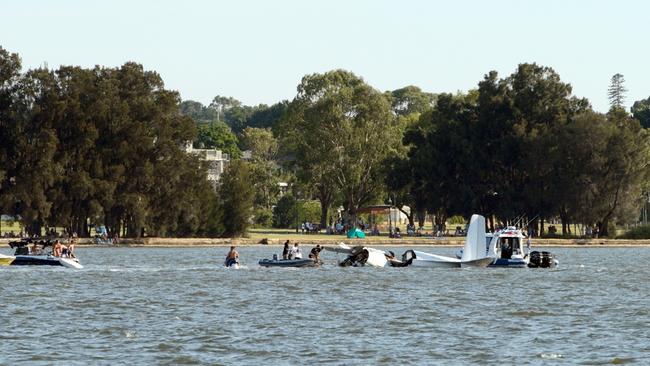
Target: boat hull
(434, 263)
(42, 260)
(512, 263)
(288, 263)
(6, 260)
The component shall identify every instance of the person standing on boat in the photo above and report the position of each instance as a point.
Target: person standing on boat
(71, 245)
(285, 251)
(295, 252)
(232, 257)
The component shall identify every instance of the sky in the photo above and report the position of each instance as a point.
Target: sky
(258, 51)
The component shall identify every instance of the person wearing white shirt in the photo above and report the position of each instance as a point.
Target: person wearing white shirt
(295, 252)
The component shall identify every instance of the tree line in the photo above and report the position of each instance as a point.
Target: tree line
(81, 147)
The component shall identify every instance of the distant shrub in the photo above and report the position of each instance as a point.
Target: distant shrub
(263, 217)
(640, 232)
(290, 213)
(456, 220)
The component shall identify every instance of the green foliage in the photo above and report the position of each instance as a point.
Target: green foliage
(289, 212)
(309, 211)
(616, 91)
(98, 146)
(286, 213)
(640, 232)
(410, 100)
(236, 195)
(217, 135)
(457, 220)
(641, 111)
(265, 172)
(263, 217)
(197, 111)
(340, 130)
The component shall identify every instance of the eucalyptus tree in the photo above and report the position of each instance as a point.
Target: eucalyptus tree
(265, 170)
(341, 129)
(641, 111)
(410, 99)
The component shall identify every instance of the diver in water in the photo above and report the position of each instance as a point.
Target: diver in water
(232, 257)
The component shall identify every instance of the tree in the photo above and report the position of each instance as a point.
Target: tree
(267, 117)
(410, 99)
(265, 172)
(344, 127)
(197, 111)
(641, 111)
(616, 91)
(236, 195)
(218, 135)
(221, 105)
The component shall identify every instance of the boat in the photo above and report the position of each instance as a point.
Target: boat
(40, 254)
(275, 262)
(6, 260)
(473, 252)
(506, 247)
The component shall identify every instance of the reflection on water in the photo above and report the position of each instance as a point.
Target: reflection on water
(178, 306)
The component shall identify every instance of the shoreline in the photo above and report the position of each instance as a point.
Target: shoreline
(335, 239)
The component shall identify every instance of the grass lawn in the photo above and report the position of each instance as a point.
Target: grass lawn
(8, 226)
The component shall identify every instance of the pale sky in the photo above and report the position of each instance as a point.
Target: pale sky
(257, 51)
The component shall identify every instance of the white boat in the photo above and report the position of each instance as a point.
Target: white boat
(506, 247)
(24, 256)
(473, 254)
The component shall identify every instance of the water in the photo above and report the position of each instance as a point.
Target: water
(177, 306)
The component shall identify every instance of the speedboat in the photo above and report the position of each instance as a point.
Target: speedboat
(6, 260)
(40, 255)
(275, 262)
(506, 247)
(473, 253)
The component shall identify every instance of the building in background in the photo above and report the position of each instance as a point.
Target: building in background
(217, 162)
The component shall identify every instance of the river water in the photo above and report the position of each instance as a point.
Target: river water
(178, 306)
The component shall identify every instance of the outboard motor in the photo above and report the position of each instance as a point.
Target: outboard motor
(542, 260)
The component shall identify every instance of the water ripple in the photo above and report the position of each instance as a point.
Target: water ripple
(179, 306)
